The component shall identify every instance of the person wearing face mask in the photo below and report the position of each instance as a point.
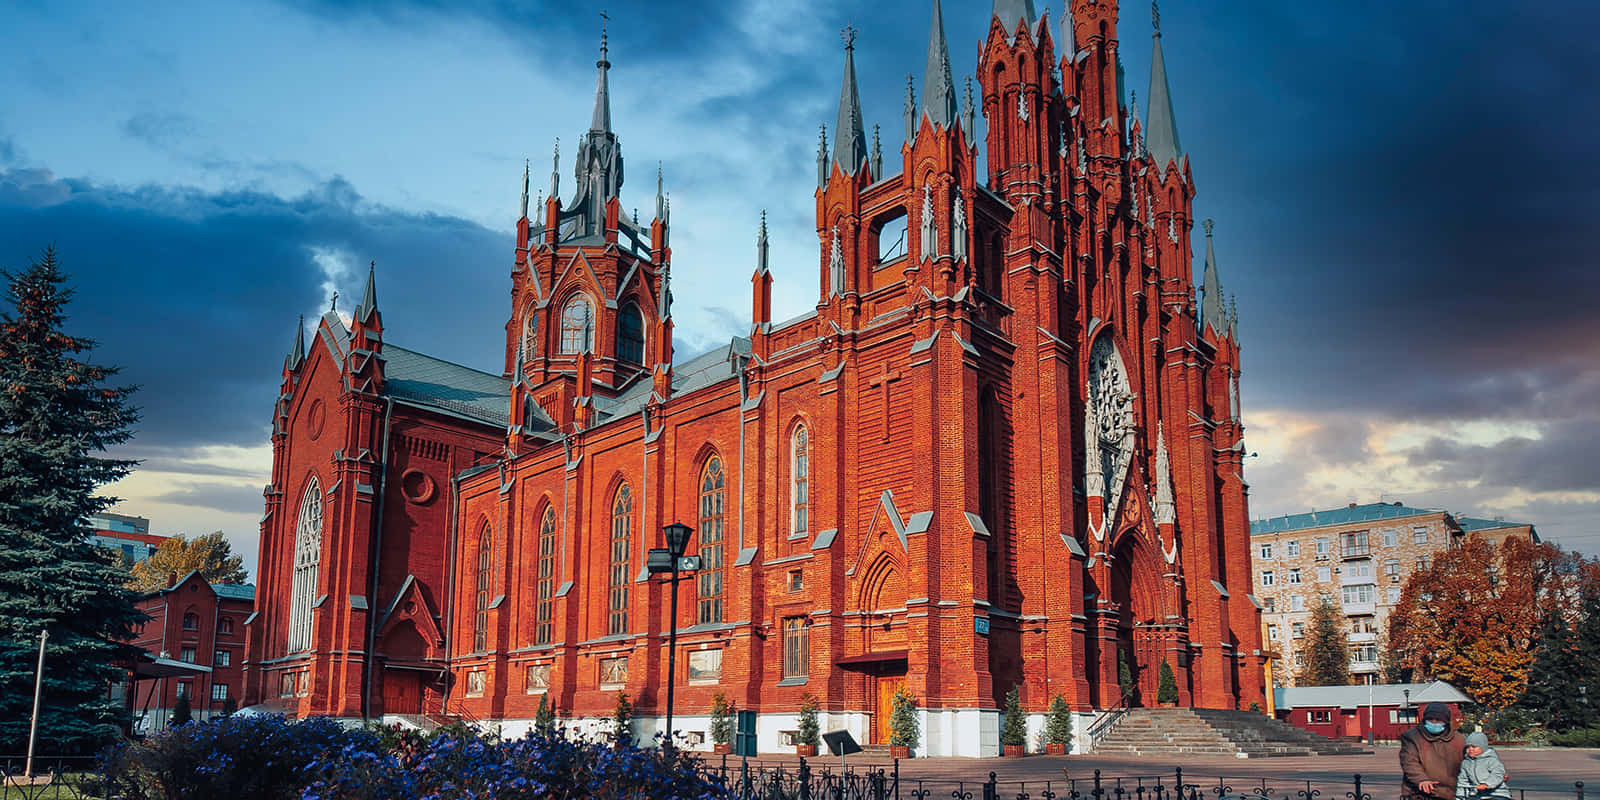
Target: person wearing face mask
(1430, 756)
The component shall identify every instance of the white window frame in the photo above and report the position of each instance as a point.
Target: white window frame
(1267, 578)
(1265, 550)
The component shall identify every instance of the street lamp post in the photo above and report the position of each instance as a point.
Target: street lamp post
(33, 724)
(672, 560)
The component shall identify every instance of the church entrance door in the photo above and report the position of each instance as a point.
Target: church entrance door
(402, 692)
(886, 686)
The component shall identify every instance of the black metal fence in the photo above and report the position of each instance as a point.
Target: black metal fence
(55, 778)
(750, 781)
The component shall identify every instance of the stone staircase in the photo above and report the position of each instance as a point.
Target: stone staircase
(1211, 732)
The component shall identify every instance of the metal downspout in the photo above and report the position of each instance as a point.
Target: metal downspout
(378, 493)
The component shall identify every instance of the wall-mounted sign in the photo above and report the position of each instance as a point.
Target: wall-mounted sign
(980, 625)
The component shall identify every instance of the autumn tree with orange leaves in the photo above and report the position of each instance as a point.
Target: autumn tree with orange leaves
(1473, 618)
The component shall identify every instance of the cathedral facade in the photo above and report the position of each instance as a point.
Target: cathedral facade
(1004, 450)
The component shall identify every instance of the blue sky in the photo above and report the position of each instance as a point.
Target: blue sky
(1401, 196)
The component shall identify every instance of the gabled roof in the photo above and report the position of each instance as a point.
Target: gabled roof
(235, 591)
(1336, 516)
(449, 387)
(1383, 694)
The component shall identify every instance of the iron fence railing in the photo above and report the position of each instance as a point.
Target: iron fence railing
(750, 781)
(55, 778)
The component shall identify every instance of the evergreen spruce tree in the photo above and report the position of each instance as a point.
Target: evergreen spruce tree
(1552, 692)
(56, 418)
(1167, 692)
(622, 720)
(1013, 725)
(1586, 644)
(182, 712)
(807, 730)
(903, 728)
(1058, 726)
(1327, 652)
(544, 720)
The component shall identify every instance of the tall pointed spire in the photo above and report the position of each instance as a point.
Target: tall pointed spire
(1014, 12)
(761, 246)
(1166, 511)
(524, 189)
(297, 354)
(911, 108)
(601, 120)
(1213, 311)
(1161, 134)
(938, 88)
(661, 198)
(849, 138)
(369, 297)
(598, 167)
(971, 113)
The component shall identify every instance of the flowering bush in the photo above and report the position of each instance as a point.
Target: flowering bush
(233, 757)
(266, 758)
(539, 765)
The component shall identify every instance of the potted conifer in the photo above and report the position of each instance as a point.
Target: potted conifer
(622, 721)
(1013, 727)
(1167, 692)
(903, 733)
(806, 736)
(544, 720)
(1058, 728)
(721, 724)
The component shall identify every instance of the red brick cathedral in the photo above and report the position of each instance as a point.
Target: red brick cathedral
(1003, 450)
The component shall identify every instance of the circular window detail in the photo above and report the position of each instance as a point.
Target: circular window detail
(417, 486)
(314, 419)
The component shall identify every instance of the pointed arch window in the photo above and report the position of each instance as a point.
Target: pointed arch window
(799, 481)
(307, 558)
(545, 580)
(713, 500)
(577, 326)
(630, 334)
(530, 333)
(480, 621)
(621, 542)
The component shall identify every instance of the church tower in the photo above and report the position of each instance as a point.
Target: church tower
(591, 311)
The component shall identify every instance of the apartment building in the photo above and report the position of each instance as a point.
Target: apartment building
(1359, 557)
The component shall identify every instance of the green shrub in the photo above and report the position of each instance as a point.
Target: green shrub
(721, 719)
(622, 720)
(1058, 727)
(903, 719)
(807, 733)
(1167, 692)
(544, 720)
(1014, 727)
(182, 712)
(1577, 737)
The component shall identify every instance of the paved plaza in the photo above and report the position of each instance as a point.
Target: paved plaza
(1540, 772)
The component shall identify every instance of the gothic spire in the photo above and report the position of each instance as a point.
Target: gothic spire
(1165, 509)
(369, 297)
(661, 198)
(849, 138)
(1161, 134)
(524, 189)
(911, 108)
(601, 120)
(761, 246)
(938, 88)
(1213, 309)
(1013, 12)
(297, 354)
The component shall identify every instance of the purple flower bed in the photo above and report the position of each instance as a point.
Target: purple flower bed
(265, 758)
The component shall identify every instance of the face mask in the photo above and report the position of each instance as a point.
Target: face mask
(1433, 727)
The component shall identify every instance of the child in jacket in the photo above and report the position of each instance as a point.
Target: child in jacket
(1482, 775)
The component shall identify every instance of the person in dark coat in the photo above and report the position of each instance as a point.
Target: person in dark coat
(1430, 756)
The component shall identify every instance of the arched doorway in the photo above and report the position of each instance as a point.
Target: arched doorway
(1136, 591)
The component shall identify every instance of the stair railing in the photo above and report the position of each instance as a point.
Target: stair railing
(1111, 716)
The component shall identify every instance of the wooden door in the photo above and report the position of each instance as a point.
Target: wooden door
(402, 692)
(887, 686)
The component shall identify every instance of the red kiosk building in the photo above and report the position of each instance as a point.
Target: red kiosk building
(1003, 450)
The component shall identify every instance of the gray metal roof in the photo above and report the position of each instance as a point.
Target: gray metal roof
(453, 388)
(1012, 12)
(1161, 133)
(707, 369)
(1383, 694)
(938, 88)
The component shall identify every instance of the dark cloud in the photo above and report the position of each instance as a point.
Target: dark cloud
(163, 130)
(226, 497)
(1561, 459)
(195, 294)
